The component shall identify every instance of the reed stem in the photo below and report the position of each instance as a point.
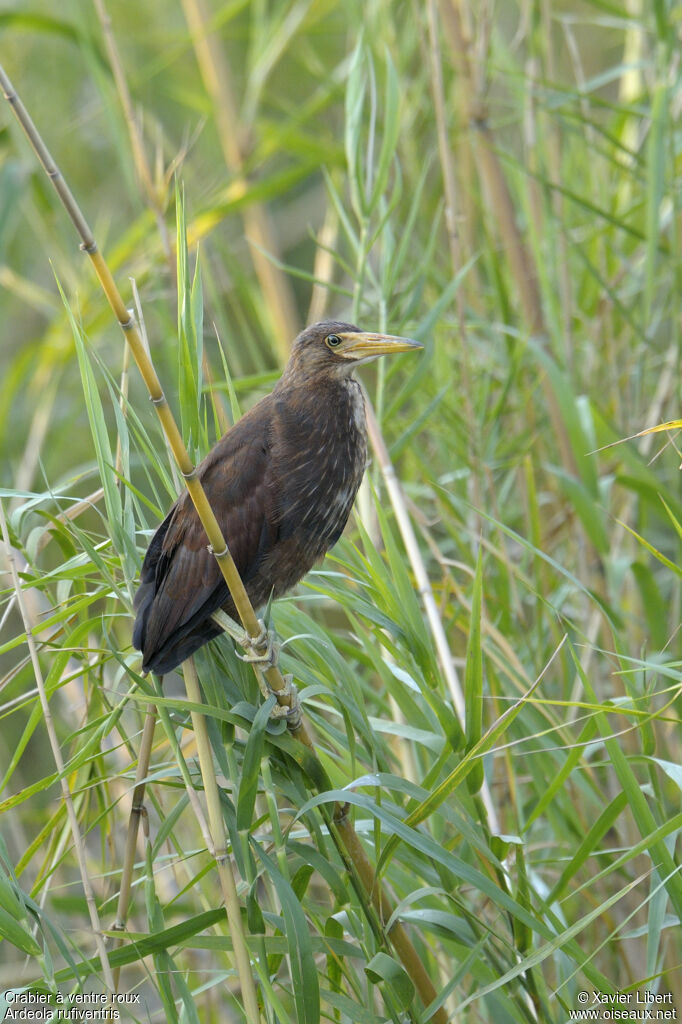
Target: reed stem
(219, 850)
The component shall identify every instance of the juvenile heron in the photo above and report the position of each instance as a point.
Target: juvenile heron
(281, 482)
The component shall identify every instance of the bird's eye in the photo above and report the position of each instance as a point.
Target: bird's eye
(333, 341)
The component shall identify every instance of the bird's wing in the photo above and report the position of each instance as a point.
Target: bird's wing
(181, 583)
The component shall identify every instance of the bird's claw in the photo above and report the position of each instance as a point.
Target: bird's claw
(290, 708)
(261, 650)
(288, 705)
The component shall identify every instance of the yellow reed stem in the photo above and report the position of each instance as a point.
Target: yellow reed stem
(396, 934)
(216, 827)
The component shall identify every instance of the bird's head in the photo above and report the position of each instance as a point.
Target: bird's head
(333, 349)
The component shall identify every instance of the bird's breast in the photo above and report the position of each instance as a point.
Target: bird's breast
(325, 448)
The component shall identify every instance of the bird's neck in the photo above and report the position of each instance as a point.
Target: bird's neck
(333, 405)
(297, 374)
(353, 393)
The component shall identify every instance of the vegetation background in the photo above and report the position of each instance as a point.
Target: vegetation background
(501, 182)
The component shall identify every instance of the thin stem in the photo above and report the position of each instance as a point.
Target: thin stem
(414, 964)
(219, 848)
(323, 270)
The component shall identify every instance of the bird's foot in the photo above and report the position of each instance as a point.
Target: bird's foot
(290, 706)
(261, 650)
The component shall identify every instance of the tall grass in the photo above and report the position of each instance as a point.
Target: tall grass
(501, 183)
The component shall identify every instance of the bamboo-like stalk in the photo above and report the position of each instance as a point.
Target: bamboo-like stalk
(446, 162)
(348, 839)
(175, 746)
(519, 257)
(137, 809)
(78, 844)
(219, 851)
(258, 226)
(153, 199)
(137, 814)
(40, 423)
(398, 936)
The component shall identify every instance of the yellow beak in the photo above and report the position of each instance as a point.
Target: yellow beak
(365, 345)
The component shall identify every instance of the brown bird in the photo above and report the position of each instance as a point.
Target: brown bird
(281, 482)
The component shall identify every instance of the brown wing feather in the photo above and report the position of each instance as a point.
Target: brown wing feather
(181, 583)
